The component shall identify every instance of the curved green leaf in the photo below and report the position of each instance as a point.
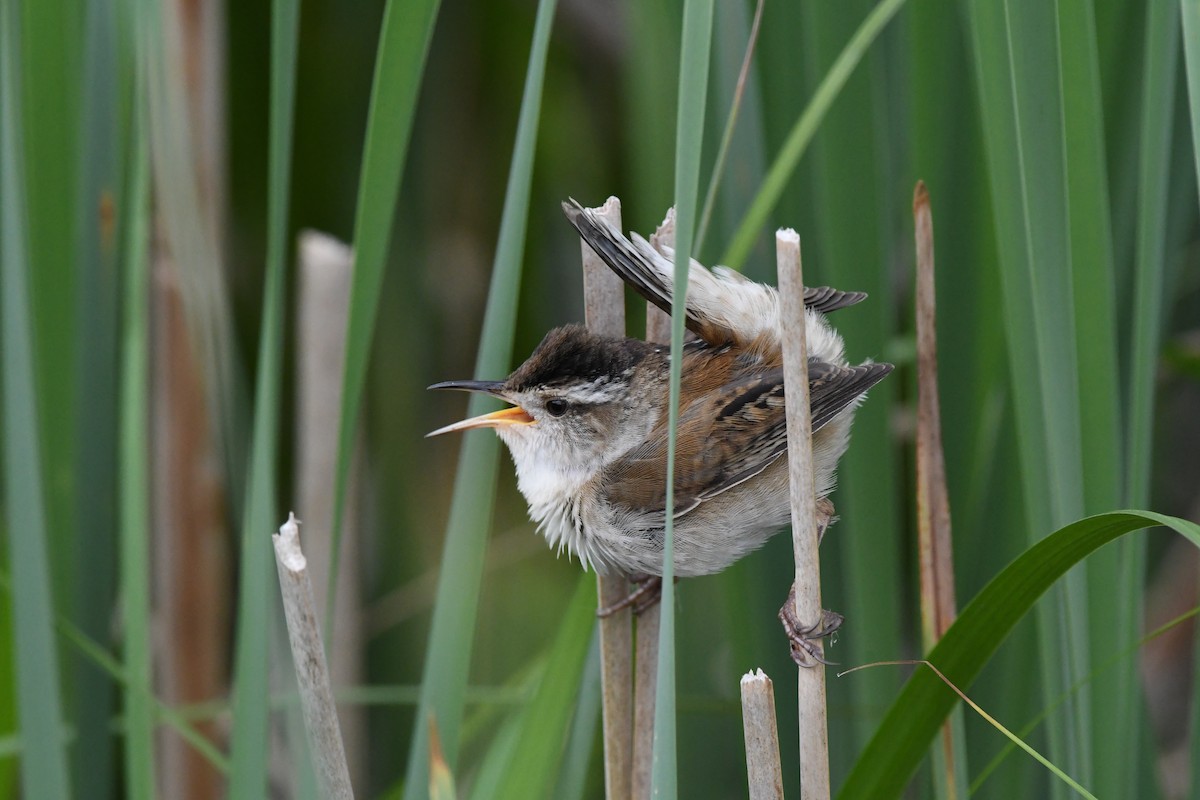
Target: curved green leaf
(894, 753)
(134, 463)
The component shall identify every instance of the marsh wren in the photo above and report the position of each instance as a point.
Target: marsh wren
(587, 426)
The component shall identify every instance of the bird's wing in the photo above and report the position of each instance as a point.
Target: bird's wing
(728, 437)
(826, 298)
(722, 306)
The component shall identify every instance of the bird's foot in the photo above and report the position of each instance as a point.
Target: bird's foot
(805, 639)
(647, 593)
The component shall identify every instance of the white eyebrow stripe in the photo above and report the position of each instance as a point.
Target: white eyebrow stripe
(601, 390)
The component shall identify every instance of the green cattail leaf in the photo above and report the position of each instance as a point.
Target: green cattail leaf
(894, 753)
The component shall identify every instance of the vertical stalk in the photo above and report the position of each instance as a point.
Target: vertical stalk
(764, 772)
(938, 607)
(604, 311)
(814, 734)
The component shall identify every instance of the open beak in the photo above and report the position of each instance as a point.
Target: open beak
(497, 419)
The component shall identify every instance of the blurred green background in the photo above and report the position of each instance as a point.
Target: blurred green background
(146, 199)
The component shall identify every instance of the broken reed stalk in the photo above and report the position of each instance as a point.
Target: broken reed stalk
(764, 773)
(308, 656)
(814, 737)
(604, 312)
(938, 607)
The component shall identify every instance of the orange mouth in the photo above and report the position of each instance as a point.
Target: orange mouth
(497, 419)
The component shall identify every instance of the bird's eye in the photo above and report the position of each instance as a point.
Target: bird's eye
(556, 407)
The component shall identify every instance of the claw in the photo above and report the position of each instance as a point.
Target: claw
(804, 639)
(805, 649)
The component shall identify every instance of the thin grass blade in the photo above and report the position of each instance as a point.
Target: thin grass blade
(695, 50)
(399, 65)
(444, 678)
(756, 218)
(738, 93)
(1117, 658)
(139, 707)
(248, 777)
(106, 663)
(739, 44)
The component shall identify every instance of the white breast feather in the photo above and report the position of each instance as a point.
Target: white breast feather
(552, 494)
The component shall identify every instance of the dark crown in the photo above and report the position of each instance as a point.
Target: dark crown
(572, 354)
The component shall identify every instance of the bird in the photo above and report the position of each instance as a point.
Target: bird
(587, 425)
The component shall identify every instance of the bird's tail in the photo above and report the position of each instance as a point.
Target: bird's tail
(723, 307)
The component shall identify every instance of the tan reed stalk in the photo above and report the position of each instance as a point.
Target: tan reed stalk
(764, 772)
(814, 735)
(604, 312)
(312, 673)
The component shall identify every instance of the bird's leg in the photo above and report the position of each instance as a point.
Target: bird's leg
(642, 598)
(800, 635)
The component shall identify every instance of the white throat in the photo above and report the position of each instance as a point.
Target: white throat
(554, 492)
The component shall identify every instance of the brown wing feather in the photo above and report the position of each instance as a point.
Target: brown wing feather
(731, 435)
